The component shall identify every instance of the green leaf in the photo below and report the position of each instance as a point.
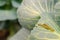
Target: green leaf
(16, 3)
(57, 5)
(8, 14)
(2, 2)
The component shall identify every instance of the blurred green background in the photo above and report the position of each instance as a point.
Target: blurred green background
(8, 16)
